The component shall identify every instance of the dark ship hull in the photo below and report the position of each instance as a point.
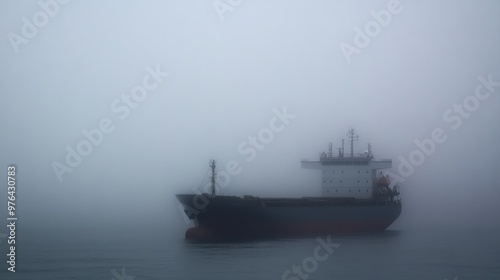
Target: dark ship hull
(228, 217)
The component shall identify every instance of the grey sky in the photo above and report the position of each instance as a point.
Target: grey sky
(225, 79)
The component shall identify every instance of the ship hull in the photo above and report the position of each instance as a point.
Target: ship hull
(227, 217)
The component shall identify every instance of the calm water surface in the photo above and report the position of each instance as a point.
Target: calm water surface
(391, 255)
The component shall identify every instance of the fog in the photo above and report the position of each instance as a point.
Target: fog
(229, 72)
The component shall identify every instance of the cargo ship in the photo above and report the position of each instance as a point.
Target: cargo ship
(356, 197)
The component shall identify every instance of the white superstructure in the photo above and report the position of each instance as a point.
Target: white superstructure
(351, 176)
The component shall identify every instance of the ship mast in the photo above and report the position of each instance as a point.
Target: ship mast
(341, 150)
(212, 178)
(342, 147)
(352, 137)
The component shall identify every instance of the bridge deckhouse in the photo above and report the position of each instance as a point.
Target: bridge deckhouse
(348, 176)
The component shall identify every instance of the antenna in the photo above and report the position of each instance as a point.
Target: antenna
(342, 147)
(352, 137)
(214, 175)
(341, 150)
